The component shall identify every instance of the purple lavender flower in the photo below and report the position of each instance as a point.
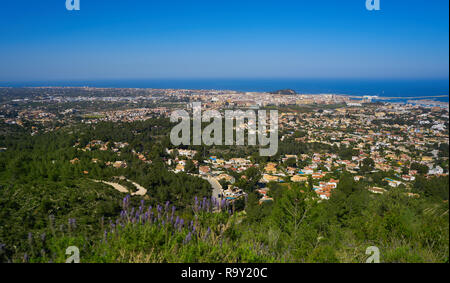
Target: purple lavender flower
(195, 204)
(204, 203)
(188, 238)
(173, 212)
(151, 217)
(126, 202)
(180, 226)
(166, 208)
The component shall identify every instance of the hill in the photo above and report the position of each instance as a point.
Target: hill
(284, 92)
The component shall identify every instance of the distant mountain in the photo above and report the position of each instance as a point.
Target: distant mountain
(285, 92)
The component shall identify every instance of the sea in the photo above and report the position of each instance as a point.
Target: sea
(399, 90)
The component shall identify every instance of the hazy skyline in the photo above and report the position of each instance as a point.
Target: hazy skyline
(41, 40)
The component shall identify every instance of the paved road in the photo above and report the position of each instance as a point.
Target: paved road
(217, 188)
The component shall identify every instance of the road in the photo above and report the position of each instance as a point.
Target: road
(116, 186)
(141, 191)
(217, 187)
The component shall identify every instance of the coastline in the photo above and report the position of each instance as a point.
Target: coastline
(406, 89)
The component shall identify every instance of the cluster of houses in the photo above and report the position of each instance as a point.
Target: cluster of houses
(129, 115)
(275, 172)
(325, 189)
(233, 164)
(367, 131)
(115, 164)
(232, 193)
(264, 195)
(377, 190)
(103, 146)
(371, 132)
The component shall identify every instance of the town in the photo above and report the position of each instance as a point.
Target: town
(396, 140)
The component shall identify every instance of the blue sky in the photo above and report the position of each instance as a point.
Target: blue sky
(124, 39)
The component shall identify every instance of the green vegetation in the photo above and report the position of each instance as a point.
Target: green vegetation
(50, 203)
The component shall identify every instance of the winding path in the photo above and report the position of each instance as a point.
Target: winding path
(140, 192)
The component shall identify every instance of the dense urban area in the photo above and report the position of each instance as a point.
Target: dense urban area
(95, 168)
